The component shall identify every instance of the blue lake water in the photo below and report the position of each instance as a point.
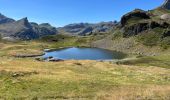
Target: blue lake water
(84, 54)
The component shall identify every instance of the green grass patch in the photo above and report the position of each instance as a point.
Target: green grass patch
(159, 61)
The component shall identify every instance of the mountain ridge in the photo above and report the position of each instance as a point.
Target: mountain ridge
(87, 28)
(24, 30)
(166, 4)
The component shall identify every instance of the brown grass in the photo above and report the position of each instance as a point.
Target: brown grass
(27, 78)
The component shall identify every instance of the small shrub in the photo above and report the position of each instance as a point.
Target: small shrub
(117, 35)
(165, 43)
(81, 40)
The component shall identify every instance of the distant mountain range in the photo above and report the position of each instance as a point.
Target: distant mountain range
(87, 28)
(132, 23)
(24, 30)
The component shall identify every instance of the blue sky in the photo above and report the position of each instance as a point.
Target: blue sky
(62, 12)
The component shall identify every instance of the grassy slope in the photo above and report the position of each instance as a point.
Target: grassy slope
(159, 61)
(27, 78)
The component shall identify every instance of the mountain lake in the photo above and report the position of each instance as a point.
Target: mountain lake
(75, 53)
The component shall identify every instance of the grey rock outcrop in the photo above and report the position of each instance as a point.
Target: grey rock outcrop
(137, 28)
(137, 13)
(137, 21)
(166, 4)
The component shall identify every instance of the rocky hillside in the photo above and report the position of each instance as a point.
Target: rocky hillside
(151, 26)
(166, 4)
(141, 32)
(138, 21)
(87, 28)
(23, 29)
(44, 29)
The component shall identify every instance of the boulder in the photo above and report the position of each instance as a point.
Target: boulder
(55, 60)
(49, 59)
(10, 39)
(165, 17)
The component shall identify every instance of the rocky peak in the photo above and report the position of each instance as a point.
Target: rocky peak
(137, 13)
(166, 4)
(24, 22)
(23, 29)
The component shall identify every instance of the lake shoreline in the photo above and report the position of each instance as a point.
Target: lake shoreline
(83, 53)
